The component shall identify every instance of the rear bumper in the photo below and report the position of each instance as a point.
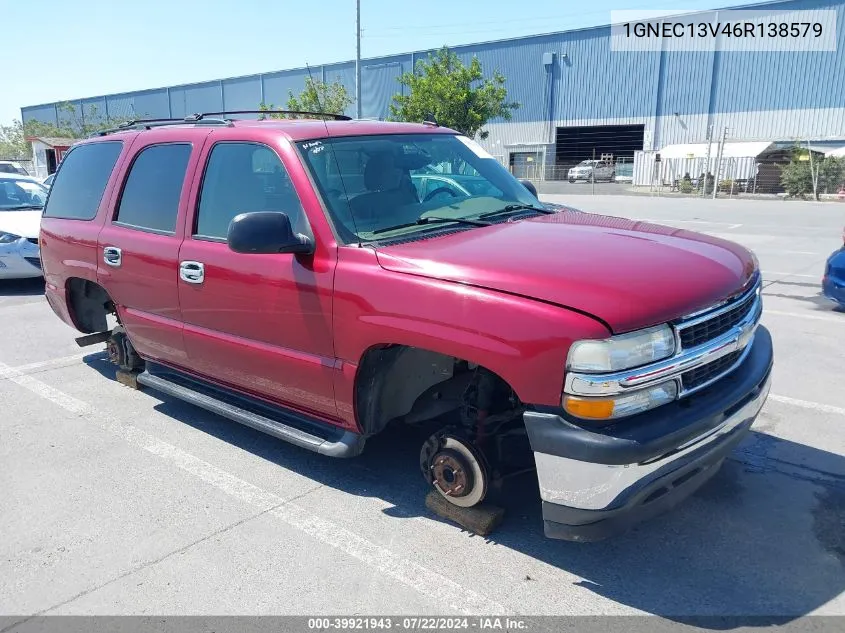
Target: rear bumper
(597, 483)
(834, 289)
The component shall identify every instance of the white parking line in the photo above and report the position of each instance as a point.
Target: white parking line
(409, 573)
(9, 306)
(53, 363)
(771, 272)
(801, 315)
(806, 404)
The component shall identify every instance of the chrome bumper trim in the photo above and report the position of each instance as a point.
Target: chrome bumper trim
(591, 486)
(737, 338)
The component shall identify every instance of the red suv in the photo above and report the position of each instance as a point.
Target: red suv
(320, 279)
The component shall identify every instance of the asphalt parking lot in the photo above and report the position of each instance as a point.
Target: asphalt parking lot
(117, 501)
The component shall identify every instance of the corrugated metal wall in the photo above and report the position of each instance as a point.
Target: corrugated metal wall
(676, 94)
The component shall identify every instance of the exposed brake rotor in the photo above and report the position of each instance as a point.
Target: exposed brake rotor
(455, 468)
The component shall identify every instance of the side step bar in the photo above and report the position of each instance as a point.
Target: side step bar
(337, 443)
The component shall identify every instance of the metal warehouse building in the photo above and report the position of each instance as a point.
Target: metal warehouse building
(579, 98)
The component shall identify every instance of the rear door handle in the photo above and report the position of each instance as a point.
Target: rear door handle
(192, 272)
(112, 256)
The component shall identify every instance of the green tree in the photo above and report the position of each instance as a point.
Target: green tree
(456, 95)
(317, 96)
(831, 174)
(13, 144)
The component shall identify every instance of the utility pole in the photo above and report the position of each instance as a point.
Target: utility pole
(357, 59)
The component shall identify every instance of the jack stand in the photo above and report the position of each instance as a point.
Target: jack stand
(128, 378)
(481, 519)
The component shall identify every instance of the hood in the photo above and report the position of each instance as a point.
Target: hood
(627, 273)
(23, 223)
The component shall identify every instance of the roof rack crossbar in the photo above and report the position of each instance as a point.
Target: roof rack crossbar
(146, 124)
(330, 115)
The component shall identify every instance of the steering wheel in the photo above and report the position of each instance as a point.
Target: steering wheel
(433, 193)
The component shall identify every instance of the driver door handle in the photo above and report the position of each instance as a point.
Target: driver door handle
(192, 272)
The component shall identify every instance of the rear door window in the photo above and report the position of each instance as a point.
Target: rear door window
(150, 198)
(81, 181)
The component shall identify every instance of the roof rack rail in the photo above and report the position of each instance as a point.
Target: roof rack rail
(331, 115)
(147, 124)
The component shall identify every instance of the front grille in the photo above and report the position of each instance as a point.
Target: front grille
(700, 375)
(35, 261)
(708, 329)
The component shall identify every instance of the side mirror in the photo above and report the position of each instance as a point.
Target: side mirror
(266, 232)
(530, 186)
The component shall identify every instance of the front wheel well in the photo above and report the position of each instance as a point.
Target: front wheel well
(89, 304)
(415, 385)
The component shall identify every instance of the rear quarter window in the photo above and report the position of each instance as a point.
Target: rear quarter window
(81, 181)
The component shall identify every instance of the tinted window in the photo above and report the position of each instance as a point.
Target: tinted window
(244, 177)
(82, 179)
(150, 198)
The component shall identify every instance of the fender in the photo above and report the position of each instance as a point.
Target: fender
(524, 341)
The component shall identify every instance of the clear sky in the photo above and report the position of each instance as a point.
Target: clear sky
(66, 49)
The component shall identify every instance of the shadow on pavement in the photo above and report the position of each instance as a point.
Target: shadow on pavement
(765, 537)
(21, 287)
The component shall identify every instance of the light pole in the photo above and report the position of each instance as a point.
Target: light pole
(357, 59)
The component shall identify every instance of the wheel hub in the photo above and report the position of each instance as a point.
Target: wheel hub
(452, 474)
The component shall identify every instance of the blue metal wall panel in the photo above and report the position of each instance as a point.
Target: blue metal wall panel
(378, 85)
(345, 73)
(93, 110)
(785, 79)
(121, 106)
(151, 104)
(597, 83)
(277, 86)
(243, 93)
(43, 113)
(205, 97)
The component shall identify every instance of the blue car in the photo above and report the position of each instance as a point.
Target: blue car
(833, 282)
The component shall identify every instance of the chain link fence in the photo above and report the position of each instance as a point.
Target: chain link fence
(724, 166)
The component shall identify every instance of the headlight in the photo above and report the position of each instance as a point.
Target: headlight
(622, 352)
(8, 238)
(623, 405)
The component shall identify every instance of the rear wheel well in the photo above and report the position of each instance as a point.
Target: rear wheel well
(90, 305)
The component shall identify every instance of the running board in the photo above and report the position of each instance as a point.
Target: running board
(282, 424)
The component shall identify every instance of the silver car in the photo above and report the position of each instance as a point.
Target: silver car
(592, 170)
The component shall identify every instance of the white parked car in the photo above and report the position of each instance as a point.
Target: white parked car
(592, 170)
(21, 204)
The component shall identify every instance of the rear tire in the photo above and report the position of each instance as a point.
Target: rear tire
(121, 352)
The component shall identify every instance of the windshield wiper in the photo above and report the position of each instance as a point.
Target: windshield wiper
(21, 207)
(430, 219)
(510, 208)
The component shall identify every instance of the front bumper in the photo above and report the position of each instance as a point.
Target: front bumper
(19, 260)
(598, 482)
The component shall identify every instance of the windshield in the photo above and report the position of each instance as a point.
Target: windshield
(373, 183)
(21, 194)
(586, 163)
